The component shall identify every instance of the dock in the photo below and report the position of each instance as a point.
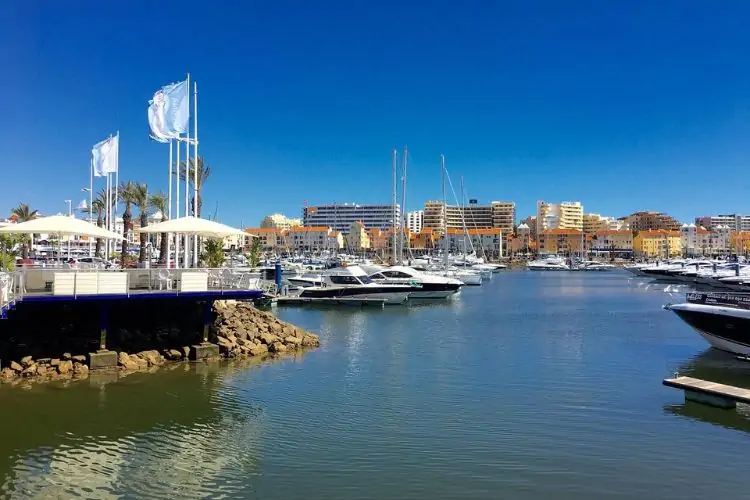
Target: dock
(326, 301)
(709, 393)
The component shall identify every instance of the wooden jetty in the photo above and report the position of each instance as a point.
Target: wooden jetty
(709, 393)
(329, 301)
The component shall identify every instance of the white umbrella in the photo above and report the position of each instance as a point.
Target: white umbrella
(193, 226)
(62, 225)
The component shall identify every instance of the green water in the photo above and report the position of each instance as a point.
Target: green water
(532, 386)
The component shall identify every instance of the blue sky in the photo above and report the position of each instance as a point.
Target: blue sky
(621, 105)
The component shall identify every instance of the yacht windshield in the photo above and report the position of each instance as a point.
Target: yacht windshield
(366, 280)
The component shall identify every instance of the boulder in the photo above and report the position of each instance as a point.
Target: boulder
(294, 342)
(142, 363)
(258, 349)
(41, 370)
(54, 362)
(27, 361)
(174, 354)
(16, 367)
(80, 358)
(67, 356)
(268, 338)
(310, 340)
(65, 366)
(30, 370)
(43, 361)
(80, 369)
(7, 374)
(152, 357)
(277, 347)
(127, 361)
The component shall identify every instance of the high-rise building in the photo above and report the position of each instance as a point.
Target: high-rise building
(645, 221)
(735, 222)
(565, 215)
(340, 217)
(279, 221)
(415, 221)
(496, 215)
(593, 223)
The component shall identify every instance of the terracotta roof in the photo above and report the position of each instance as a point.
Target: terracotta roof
(562, 231)
(613, 232)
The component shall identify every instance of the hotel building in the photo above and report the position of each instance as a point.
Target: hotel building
(496, 215)
(340, 217)
(565, 215)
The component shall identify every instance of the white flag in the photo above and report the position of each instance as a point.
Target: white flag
(156, 119)
(104, 156)
(177, 107)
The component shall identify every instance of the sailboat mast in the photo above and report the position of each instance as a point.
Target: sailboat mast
(403, 207)
(393, 208)
(445, 215)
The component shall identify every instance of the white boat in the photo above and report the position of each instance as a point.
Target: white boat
(592, 265)
(352, 282)
(550, 263)
(431, 286)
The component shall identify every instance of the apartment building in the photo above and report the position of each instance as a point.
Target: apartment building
(279, 221)
(414, 221)
(734, 222)
(562, 241)
(657, 244)
(593, 223)
(644, 221)
(699, 241)
(613, 242)
(495, 215)
(484, 241)
(313, 239)
(270, 238)
(340, 217)
(565, 215)
(357, 238)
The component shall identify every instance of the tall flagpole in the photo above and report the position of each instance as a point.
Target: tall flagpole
(117, 191)
(195, 168)
(187, 174)
(177, 205)
(169, 205)
(106, 214)
(91, 205)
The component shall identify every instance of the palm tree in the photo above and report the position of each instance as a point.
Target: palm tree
(23, 214)
(140, 200)
(97, 208)
(204, 172)
(158, 202)
(127, 196)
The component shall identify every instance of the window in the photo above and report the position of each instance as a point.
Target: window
(395, 274)
(345, 280)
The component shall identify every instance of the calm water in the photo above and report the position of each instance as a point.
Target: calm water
(532, 386)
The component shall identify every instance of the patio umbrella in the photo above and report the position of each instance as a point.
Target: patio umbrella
(193, 226)
(62, 225)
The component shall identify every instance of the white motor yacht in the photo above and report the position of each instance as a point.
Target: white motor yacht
(352, 282)
(550, 263)
(432, 286)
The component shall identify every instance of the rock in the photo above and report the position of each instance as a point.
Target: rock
(152, 357)
(268, 338)
(41, 370)
(258, 349)
(16, 367)
(140, 362)
(225, 345)
(30, 370)
(293, 341)
(126, 361)
(80, 358)
(80, 369)
(43, 361)
(27, 361)
(277, 347)
(67, 356)
(64, 367)
(7, 374)
(174, 354)
(310, 340)
(54, 362)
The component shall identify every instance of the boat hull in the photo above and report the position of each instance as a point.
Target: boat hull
(390, 296)
(724, 328)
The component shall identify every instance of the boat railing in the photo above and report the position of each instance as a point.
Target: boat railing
(8, 292)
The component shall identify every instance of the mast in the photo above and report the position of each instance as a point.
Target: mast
(393, 207)
(445, 216)
(403, 206)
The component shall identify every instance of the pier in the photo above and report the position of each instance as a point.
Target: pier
(709, 393)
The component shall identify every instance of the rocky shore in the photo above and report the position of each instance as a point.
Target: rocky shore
(239, 329)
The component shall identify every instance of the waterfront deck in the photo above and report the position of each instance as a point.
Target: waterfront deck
(709, 393)
(40, 285)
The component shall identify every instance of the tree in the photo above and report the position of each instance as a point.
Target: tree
(98, 208)
(204, 172)
(8, 250)
(254, 254)
(24, 214)
(159, 202)
(213, 253)
(127, 196)
(140, 200)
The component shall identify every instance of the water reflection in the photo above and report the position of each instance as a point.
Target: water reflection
(173, 433)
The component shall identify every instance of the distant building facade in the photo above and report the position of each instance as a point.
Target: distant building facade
(644, 221)
(340, 217)
(279, 221)
(593, 223)
(495, 215)
(415, 221)
(565, 215)
(734, 222)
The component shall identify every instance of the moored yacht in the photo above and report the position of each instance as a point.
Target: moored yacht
(432, 286)
(723, 319)
(352, 282)
(550, 263)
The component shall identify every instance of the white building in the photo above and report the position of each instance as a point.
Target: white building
(565, 215)
(415, 221)
(340, 217)
(699, 241)
(279, 221)
(313, 239)
(734, 222)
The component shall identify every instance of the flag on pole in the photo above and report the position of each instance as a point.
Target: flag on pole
(104, 156)
(156, 119)
(169, 112)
